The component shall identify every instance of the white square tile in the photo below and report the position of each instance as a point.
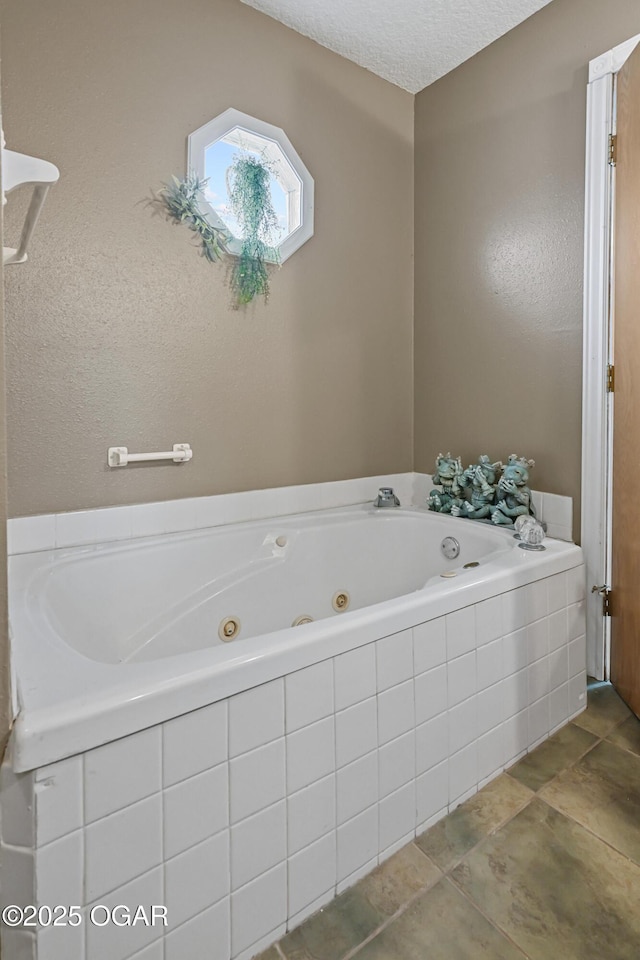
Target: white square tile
(356, 731)
(538, 679)
(18, 944)
(463, 771)
(114, 523)
(197, 879)
(258, 844)
(60, 943)
(18, 877)
(514, 610)
(558, 668)
(396, 713)
(558, 706)
(256, 717)
(74, 529)
(394, 656)
(397, 815)
(195, 809)
(489, 663)
(357, 842)
(357, 786)
(256, 780)
(110, 942)
(179, 515)
(17, 825)
(309, 695)
(207, 935)
(148, 519)
(490, 753)
(558, 510)
(58, 798)
(516, 736)
(123, 846)
(355, 676)
(491, 707)
(432, 743)
(311, 754)
(461, 678)
(556, 592)
(122, 772)
(537, 640)
(397, 763)
(576, 584)
(515, 693)
(463, 724)
(258, 909)
(431, 693)
(515, 654)
(461, 632)
(577, 656)
(29, 534)
(194, 742)
(576, 620)
(432, 792)
(429, 645)
(60, 871)
(489, 620)
(539, 720)
(536, 602)
(296, 919)
(558, 629)
(312, 873)
(311, 813)
(577, 694)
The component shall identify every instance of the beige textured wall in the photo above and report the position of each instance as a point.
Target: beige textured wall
(118, 333)
(500, 146)
(5, 695)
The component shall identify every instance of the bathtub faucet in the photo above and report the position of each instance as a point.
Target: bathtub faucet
(386, 498)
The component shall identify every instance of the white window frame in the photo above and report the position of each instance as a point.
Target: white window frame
(242, 129)
(597, 413)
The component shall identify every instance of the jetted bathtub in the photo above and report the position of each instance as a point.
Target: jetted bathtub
(411, 680)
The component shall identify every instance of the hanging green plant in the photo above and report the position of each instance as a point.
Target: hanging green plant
(249, 191)
(180, 200)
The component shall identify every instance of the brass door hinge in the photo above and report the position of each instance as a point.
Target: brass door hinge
(605, 593)
(613, 149)
(611, 378)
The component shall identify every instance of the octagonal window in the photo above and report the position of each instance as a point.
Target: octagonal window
(212, 150)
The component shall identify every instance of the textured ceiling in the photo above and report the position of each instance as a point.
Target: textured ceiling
(409, 42)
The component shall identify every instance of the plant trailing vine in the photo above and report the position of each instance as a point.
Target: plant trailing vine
(249, 190)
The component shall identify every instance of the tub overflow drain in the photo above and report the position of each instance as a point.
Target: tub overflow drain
(302, 619)
(340, 601)
(229, 629)
(450, 548)
(471, 564)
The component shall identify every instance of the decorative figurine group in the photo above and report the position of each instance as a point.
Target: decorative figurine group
(477, 492)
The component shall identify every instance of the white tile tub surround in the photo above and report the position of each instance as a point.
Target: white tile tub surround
(89, 527)
(246, 816)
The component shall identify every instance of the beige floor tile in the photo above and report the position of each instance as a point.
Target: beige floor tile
(559, 892)
(604, 711)
(602, 792)
(553, 756)
(353, 916)
(440, 925)
(627, 735)
(448, 841)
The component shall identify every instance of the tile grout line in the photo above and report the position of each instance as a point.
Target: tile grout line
(491, 922)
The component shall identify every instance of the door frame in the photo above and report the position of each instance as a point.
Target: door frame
(597, 414)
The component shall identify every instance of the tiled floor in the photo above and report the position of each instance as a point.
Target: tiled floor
(543, 863)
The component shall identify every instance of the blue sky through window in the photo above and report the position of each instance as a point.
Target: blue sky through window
(217, 159)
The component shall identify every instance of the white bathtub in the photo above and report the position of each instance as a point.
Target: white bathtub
(340, 738)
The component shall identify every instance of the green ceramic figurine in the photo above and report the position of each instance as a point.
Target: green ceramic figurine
(447, 475)
(514, 496)
(481, 479)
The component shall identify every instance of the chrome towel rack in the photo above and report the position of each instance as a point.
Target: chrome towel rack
(120, 456)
